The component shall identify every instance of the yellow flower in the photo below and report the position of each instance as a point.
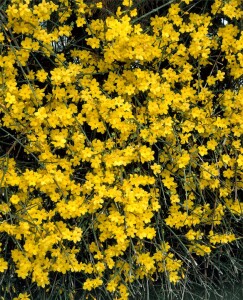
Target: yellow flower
(3, 265)
(76, 235)
(15, 199)
(93, 42)
(202, 150)
(220, 75)
(146, 154)
(127, 2)
(80, 21)
(22, 296)
(1, 37)
(156, 169)
(183, 160)
(211, 144)
(112, 285)
(10, 99)
(41, 75)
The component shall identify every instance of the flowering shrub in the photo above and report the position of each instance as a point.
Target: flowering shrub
(122, 155)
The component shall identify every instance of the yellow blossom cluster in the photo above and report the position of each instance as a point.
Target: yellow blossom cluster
(130, 137)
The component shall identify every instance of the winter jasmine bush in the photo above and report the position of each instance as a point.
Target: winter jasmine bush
(121, 146)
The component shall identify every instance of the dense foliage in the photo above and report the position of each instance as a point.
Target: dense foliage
(121, 146)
